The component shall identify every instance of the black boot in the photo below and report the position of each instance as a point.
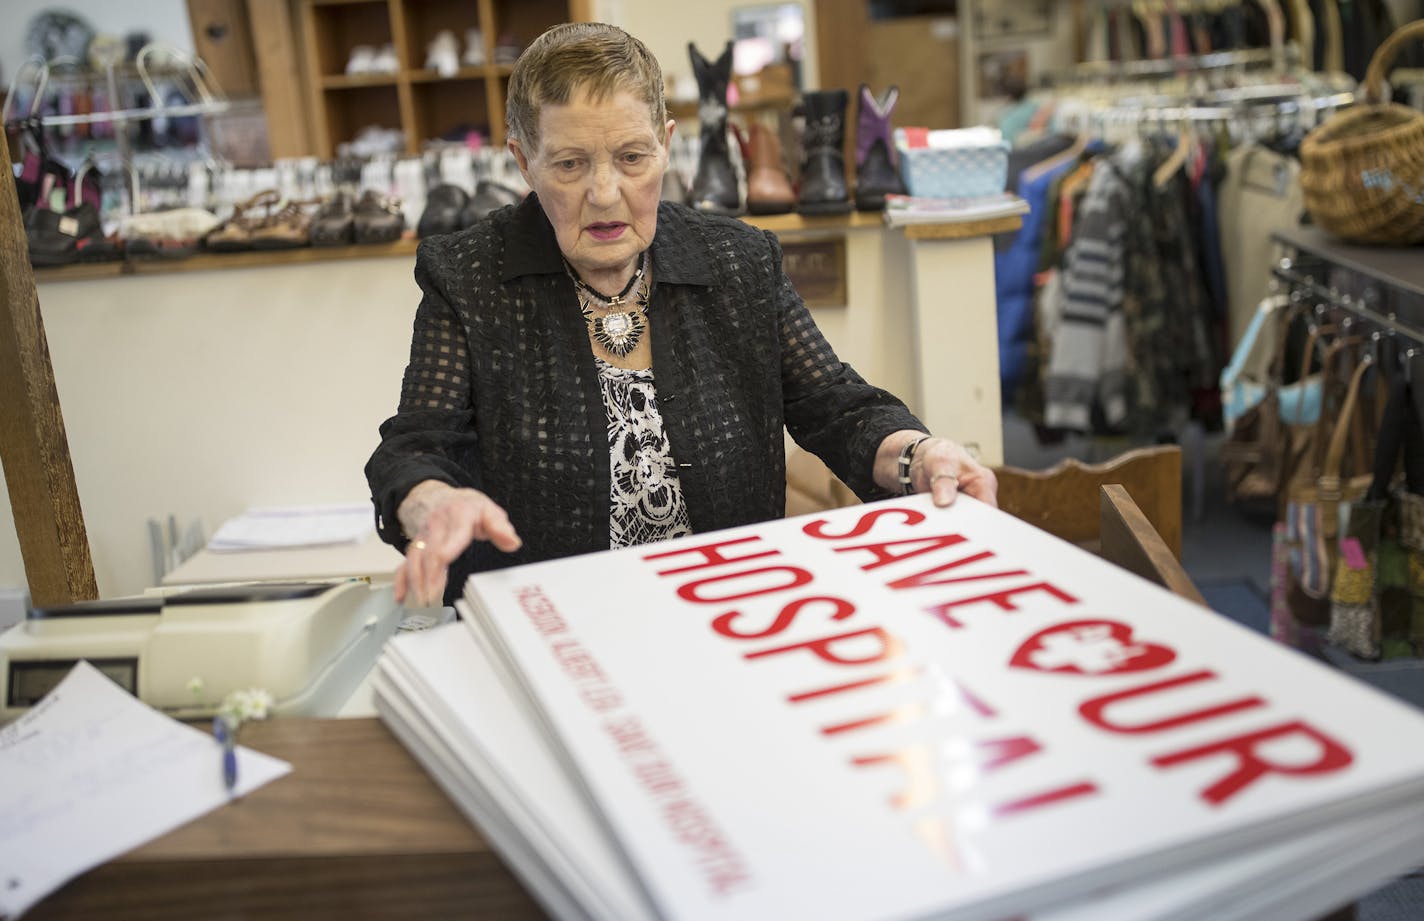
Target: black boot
(715, 186)
(823, 179)
(875, 172)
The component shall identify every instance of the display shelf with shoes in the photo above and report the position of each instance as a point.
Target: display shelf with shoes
(439, 66)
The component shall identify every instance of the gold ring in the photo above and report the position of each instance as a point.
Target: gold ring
(419, 544)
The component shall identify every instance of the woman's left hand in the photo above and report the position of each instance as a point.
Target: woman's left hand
(940, 467)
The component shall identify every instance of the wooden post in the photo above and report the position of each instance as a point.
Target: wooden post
(34, 451)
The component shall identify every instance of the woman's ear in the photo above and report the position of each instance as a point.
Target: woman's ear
(520, 158)
(667, 133)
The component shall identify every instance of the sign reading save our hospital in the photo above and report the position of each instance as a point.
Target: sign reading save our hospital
(895, 710)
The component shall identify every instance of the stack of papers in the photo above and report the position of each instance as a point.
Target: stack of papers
(286, 527)
(908, 209)
(91, 772)
(893, 711)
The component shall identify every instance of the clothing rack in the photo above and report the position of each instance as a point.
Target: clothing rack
(1089, 72)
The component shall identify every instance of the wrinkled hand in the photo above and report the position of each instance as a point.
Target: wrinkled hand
(944, 469)
(445, 521)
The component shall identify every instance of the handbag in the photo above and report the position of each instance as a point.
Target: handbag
(1256, 455)
(1377, 595)
(1318, 496)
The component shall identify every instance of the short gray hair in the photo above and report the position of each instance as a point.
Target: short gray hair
(589, 56)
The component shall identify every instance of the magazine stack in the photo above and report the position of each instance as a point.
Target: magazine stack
(894, 711)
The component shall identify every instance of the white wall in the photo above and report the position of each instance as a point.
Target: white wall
(164, 20)
(199, 394)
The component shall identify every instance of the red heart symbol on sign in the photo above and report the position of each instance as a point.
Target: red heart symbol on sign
(1090, 647)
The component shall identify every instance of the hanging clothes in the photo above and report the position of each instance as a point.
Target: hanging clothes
(1016, 264)
(1260, 195)
(1086, 368)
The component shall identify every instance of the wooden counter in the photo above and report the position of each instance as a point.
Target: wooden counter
(356, 830)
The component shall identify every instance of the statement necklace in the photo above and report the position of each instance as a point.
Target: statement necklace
(617, 332)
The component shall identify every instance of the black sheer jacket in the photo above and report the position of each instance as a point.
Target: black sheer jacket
(502, 394)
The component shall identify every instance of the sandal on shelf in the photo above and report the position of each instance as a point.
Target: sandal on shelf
(235, 234)
(334, 224)
(171, 234)
(289, 228)
(378, 219)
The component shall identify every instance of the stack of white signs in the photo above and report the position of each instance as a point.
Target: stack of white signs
(897, 711)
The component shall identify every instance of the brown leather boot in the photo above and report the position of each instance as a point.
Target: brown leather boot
(769, 189)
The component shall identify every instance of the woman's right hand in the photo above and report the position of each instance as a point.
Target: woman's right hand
(444, 520)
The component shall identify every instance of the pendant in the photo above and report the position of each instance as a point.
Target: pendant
(619, 332)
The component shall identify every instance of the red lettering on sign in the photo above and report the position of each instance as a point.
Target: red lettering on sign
(887, 647)
(711, 555)
(923, 578)
(921, 779)
(862, 525)
(1048, 797)
(898, 676)
(995, 753)
(908, 713)
(840, 609)
(1332, 756)
(883, 555)
(1092, 710)
(691, 590)
(1003, 599)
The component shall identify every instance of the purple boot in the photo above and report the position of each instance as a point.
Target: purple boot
(876, 172)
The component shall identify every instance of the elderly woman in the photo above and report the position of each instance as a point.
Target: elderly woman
(594, 368)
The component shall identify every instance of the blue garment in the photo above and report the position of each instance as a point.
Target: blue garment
(1014, 269)
(1212, 262)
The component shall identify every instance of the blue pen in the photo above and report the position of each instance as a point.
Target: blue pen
(229, 752)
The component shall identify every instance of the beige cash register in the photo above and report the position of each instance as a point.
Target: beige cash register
(308, 644)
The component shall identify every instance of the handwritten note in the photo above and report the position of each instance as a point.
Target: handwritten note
(91, 772)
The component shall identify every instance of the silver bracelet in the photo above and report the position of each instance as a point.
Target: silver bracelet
(907, 455)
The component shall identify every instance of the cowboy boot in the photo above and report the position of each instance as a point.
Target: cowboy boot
(876, 173)
(769, 189)
(823, 180)
(715, 186)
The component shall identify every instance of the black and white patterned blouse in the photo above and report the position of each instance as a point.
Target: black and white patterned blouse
(645, 497)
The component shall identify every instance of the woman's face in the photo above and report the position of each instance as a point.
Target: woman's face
(598, 173)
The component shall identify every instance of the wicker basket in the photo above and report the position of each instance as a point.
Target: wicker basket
(1363, 170)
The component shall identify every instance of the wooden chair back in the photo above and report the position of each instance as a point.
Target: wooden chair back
(1063, 500)
(1127, 539)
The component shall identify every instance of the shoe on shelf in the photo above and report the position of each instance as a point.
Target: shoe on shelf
(443, 206)
(474, 48)
(235, 234)
(362, 61)
(377, 219)
(443, 54)
(823, 177)
(289, 228)
(170, 234)
(876, 174)
(385, 61)
(63, 237)
(769, 188)
(714, 188)
(489, 196)
(334, 223)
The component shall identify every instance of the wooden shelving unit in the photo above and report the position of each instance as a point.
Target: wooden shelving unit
(419, 102)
